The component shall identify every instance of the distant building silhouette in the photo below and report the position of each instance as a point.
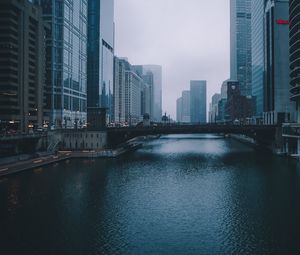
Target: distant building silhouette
(156, 70)
(198, 101)
(179, 109)
(186, 111)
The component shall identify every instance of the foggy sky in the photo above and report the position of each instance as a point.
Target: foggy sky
(188, 38)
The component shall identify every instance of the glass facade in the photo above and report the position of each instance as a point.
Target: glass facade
(156, 92)
(257, 28)
(294, 9)
(240, 44)
(67, 49)
(198, 101)
(277, 108)
(101, 55)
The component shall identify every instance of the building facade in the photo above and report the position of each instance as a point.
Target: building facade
(22, 66)
(213, 113)
(238, 107)
(179, 109)
(257, 48)
(133, 96)
(240, 44)
(198, 101)
(224, 89)
(294, 46)
(67, 54)
(222, 117)
(278, 107)
(100, 66)
(119, 90)
(156, 70)
(148, 97)
(186, 110)
(291, 131)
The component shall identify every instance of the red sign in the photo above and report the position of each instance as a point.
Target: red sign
(283, 22)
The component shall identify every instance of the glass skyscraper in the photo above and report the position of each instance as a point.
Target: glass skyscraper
(294, 44)
(278, 107)
(240, 44)
(66, 61)
(257, 31)
(100, 55)
(198, 101)
(156, 105)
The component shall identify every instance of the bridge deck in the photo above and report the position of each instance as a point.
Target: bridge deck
(184, 129)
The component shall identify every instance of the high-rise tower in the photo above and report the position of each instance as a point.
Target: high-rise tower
(240, 44)
(67, 54)
(100, 49)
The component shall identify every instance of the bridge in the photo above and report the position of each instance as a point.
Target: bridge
(263, 134)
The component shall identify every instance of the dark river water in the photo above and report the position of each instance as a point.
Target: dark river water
(176, 195)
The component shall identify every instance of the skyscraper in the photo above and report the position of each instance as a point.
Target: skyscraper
(213, 113)
(119, 90)
(186, 110)
(257, 28)
(198, 101)
(22, 65)
(179, 109)
(291, 132)
(157, 90)
(133, 95)
(240, 44)
(100, 55)
(278, 107)
(294, 44)
(147, 89)
(224, 89)
(148, 94)
(67, 55)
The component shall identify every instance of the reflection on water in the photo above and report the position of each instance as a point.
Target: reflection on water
(177, 195)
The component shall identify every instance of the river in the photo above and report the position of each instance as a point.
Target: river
(181, 194)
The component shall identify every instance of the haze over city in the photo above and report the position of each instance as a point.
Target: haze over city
(188, 38)
(165, 127)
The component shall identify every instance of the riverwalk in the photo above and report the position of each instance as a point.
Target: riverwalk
(23, 165)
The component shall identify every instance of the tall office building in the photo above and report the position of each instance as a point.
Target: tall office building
(213, 113)
(100, 73)
(133, 95)
(240, 44)
(294, 44)
(179, 109)
(148, 93)
(257, 38)
(22, 65)
(198, 101)
(156, 70)
(224, 89)
(291, 132)
(147, 89)
(278, 107)
(119, 90)
(66, 61)
(186, 110)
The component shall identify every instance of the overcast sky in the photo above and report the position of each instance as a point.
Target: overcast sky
(188, 38)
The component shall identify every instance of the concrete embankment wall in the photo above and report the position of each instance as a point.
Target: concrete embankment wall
(274, 143)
